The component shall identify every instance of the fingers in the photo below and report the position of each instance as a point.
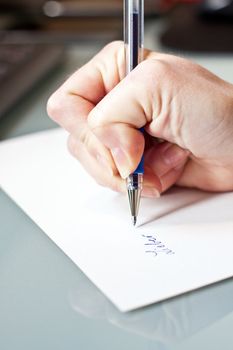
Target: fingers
(206, 176)
(164, 165)
(70, 105)
(131, 105)
(130, 102)
(74, 100)
(164, 157)
(103, 113)
(96, 165)
(167, 162)
(118, 116)
(125, 144)
(105, 175)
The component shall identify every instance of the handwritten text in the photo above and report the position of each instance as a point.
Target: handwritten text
(155, 247)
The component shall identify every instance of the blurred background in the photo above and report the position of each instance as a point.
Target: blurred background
(36, 34)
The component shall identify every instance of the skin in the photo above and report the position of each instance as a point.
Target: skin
(186, 110)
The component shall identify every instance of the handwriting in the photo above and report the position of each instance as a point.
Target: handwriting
(155, 247)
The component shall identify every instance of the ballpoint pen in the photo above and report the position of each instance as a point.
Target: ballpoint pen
(133, 38)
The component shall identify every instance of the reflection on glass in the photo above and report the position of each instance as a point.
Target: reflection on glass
(168, 322)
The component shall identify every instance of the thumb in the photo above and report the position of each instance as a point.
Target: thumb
(116, 120)
(125, 143)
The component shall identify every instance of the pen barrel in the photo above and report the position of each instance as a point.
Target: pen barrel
(133, 33)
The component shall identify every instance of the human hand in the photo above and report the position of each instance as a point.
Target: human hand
(174, 99)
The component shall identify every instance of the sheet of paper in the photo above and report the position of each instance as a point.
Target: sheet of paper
(184, 240)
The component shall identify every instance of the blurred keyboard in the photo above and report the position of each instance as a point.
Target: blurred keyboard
(21, 67)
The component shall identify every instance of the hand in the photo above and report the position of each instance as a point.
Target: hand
(174, 99)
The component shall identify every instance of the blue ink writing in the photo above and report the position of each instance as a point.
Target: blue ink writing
(155, 247)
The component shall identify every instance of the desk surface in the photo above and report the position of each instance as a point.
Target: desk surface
(45, 300)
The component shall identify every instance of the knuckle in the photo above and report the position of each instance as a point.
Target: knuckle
(96, 119)
(89, 142)
(158, 67)
(114, 46)
(111, 59)
(149, 73)
(85, 139)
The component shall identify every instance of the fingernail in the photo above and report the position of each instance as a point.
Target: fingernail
(104, 163)
(150, 192)
(174, 155)
(121, 161)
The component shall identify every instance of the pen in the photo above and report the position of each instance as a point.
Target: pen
(133, 38)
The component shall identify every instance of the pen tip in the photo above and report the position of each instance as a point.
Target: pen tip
(134, 220)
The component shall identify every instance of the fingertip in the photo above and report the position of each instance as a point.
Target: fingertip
(150, 192)
(172, 177)
(152, 187)
(163, 174)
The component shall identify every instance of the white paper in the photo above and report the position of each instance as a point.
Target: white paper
(92, 225)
